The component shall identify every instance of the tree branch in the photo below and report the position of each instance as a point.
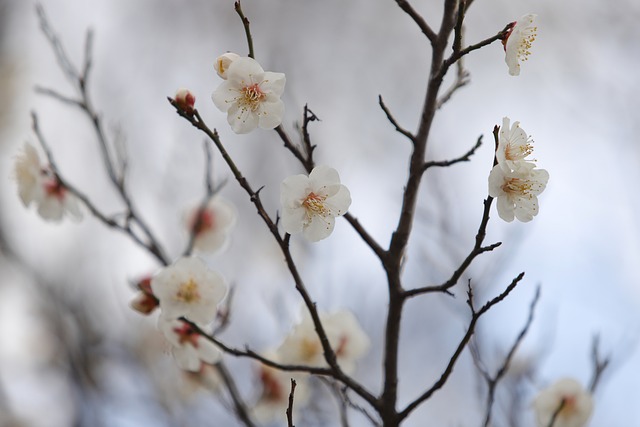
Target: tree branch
(418, 19)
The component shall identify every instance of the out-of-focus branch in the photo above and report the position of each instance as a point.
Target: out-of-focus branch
(462, 79)
(478, 249)
(84, 103)
(334, 369)
(393, 121)
(108, 221)
(344, 402)
(418, 19)
(599, 364)
(492, 381)
(239, 406)
(475, 316)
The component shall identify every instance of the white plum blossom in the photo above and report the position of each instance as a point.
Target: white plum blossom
(39, 185)
(275, 386)
(189, 348)
(250, 96)
(517, 43)
(576, 402)
(513, 146)
(517, 191)
(189, 288)
(211, 226)
(223, 62)
(311, 203)
(347, 339)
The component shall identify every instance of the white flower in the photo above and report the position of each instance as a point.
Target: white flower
(311, 203)
(223, 62)
(577, 404)
(250, 96)
(188, 288)
(513, 146)
(517, 191)
(517, 43)
(189, 348)
(39, 185)
(211, 226)
(275, 387)
(347, 339)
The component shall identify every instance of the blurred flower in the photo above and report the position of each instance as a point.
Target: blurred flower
(211, 226)
(207, 377)
(311, 203)
(275, 387)
(518, 42)
(188, 288)
(349, 342)
(144, 302)
(513, 147)
(223, 62)
(250, 96)
(567, 396)
(189, 348)
(517, 191)
(185, 100)
(39, 185)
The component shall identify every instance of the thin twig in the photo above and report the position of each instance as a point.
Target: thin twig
(418, 19)
(290, 405)
(247, 29)
(599, 364)
(464, 158)
(475, 316)
(492, 382)
(239, 406)
(393, 121)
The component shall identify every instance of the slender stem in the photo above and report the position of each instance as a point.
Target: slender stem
(238, 404)
(247, 29)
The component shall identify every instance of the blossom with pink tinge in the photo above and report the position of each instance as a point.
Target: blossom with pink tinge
(189, 348)
(517, 43)
(572, 403)
(38, 184)
(347, 339)
(189, 288)
(311, 203)
(250, 96)
(185, 100)
(211, 225)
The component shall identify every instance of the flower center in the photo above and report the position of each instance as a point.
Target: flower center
(527, 37)
(314, 204)
(309, 348)
(251, 97)
(517, 186)
(54, 188)
(203, 222)
(188, 292)
(518, 152)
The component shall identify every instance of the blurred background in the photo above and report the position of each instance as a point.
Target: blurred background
(73, 353)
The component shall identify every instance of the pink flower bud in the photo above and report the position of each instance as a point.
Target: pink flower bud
(185, 100)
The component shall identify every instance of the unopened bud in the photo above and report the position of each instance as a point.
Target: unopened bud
(144, 302)
(185, 100)
(223, 62)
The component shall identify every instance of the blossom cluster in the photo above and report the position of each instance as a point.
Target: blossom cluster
(514, 181)
(302, 346)
(38, 184)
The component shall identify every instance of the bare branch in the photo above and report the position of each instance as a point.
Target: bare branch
(239, 406)
(599, 364)
(247, 29)
(475, 316)
(393, 121)
(290, 406)
(492, 382)
(418, 19)
(464, 158)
